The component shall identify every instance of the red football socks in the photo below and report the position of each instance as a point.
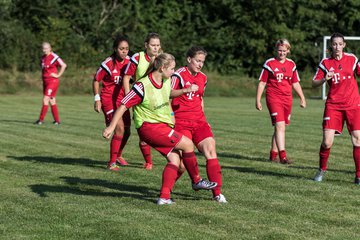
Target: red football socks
(55, 113)
(191, 166)
(324, 157)
(356, 155)
(114, 148)
(213, 171)
(168, 180)
(282, 154)
(273, 155)
(146, 151)
(43, 112)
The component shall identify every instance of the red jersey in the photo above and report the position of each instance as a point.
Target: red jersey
(49, 65)
(188, 106)
(343, 93)
(111, 73)
(133, 64)
(279, 78)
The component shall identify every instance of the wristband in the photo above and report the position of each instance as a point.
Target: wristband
(97, 97)
(172, 114)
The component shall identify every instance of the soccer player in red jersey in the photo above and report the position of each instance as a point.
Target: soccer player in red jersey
(150, 97)
(50, 62)
(111, 73)
(342, 103)
(279, 76)
(190, 117)
(136, 69)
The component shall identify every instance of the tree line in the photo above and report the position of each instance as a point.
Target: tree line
(238, 34)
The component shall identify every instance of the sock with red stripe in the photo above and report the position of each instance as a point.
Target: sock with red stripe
(146, 151)
(114, 148)
(55, 113)
(324, 157)
(273, 155)
(191, 166)
(43, 112)
(282, 154)
(168, 180)
(213, 171)
(356, 155)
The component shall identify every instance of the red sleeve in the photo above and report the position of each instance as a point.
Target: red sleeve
(295, 77)
(59, 62)
(319, 74)
(134, 97)
(264, 76)
(175, 82)
(100, 74)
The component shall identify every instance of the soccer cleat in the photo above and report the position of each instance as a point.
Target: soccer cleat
(357, 181)
(164, 201)
(148, 166)
(285, 161)
(319, 175)
(122, 161)
(38, 122)
(220, 198)
(56, 123)
(204, 185)
(113, 167)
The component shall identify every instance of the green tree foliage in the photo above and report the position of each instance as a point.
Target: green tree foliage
(238, 34)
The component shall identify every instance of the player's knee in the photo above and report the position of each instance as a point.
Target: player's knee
(356, 140)
(327, 144)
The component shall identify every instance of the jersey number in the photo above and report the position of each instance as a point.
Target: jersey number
(117, 79)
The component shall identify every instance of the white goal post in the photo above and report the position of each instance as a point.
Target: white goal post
(325, 39)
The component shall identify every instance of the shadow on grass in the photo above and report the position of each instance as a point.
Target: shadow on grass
(262, 172)
(70, 161)
(241, 157)
(102, 188)
(17, 121)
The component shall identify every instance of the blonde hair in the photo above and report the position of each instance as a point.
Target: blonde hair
(284, 42)
(162, 60)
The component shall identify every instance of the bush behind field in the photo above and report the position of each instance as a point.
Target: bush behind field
(79, 81)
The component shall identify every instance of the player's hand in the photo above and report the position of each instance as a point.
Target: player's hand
(97, 106)
(258, 106)
(107, 132)
(302, 103)
(329, 76)
(193, 88)
(54, 75)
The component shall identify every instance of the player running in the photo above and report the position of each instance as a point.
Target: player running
(111, 73)
(342, 103)
(280, 76)
(190, 117)
(150, 97)
(136, 69)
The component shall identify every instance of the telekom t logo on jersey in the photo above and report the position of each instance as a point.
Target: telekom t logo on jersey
(279, 76)
(190, 95)
(336, 78)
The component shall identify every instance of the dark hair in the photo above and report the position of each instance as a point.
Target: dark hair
(151, 36)
(162, 60)
(194, 50)
(118, 39)
(337, 35)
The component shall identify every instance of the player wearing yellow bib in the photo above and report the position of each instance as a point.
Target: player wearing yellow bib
(150, 97)
(136, 69)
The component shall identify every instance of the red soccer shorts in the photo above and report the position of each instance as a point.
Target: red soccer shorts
(50, 87)
(159, 136)
(108, 107)
(196, 131)
(334, 119)
(279, 112)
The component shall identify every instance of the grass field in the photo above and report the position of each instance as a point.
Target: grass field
(54, 184)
